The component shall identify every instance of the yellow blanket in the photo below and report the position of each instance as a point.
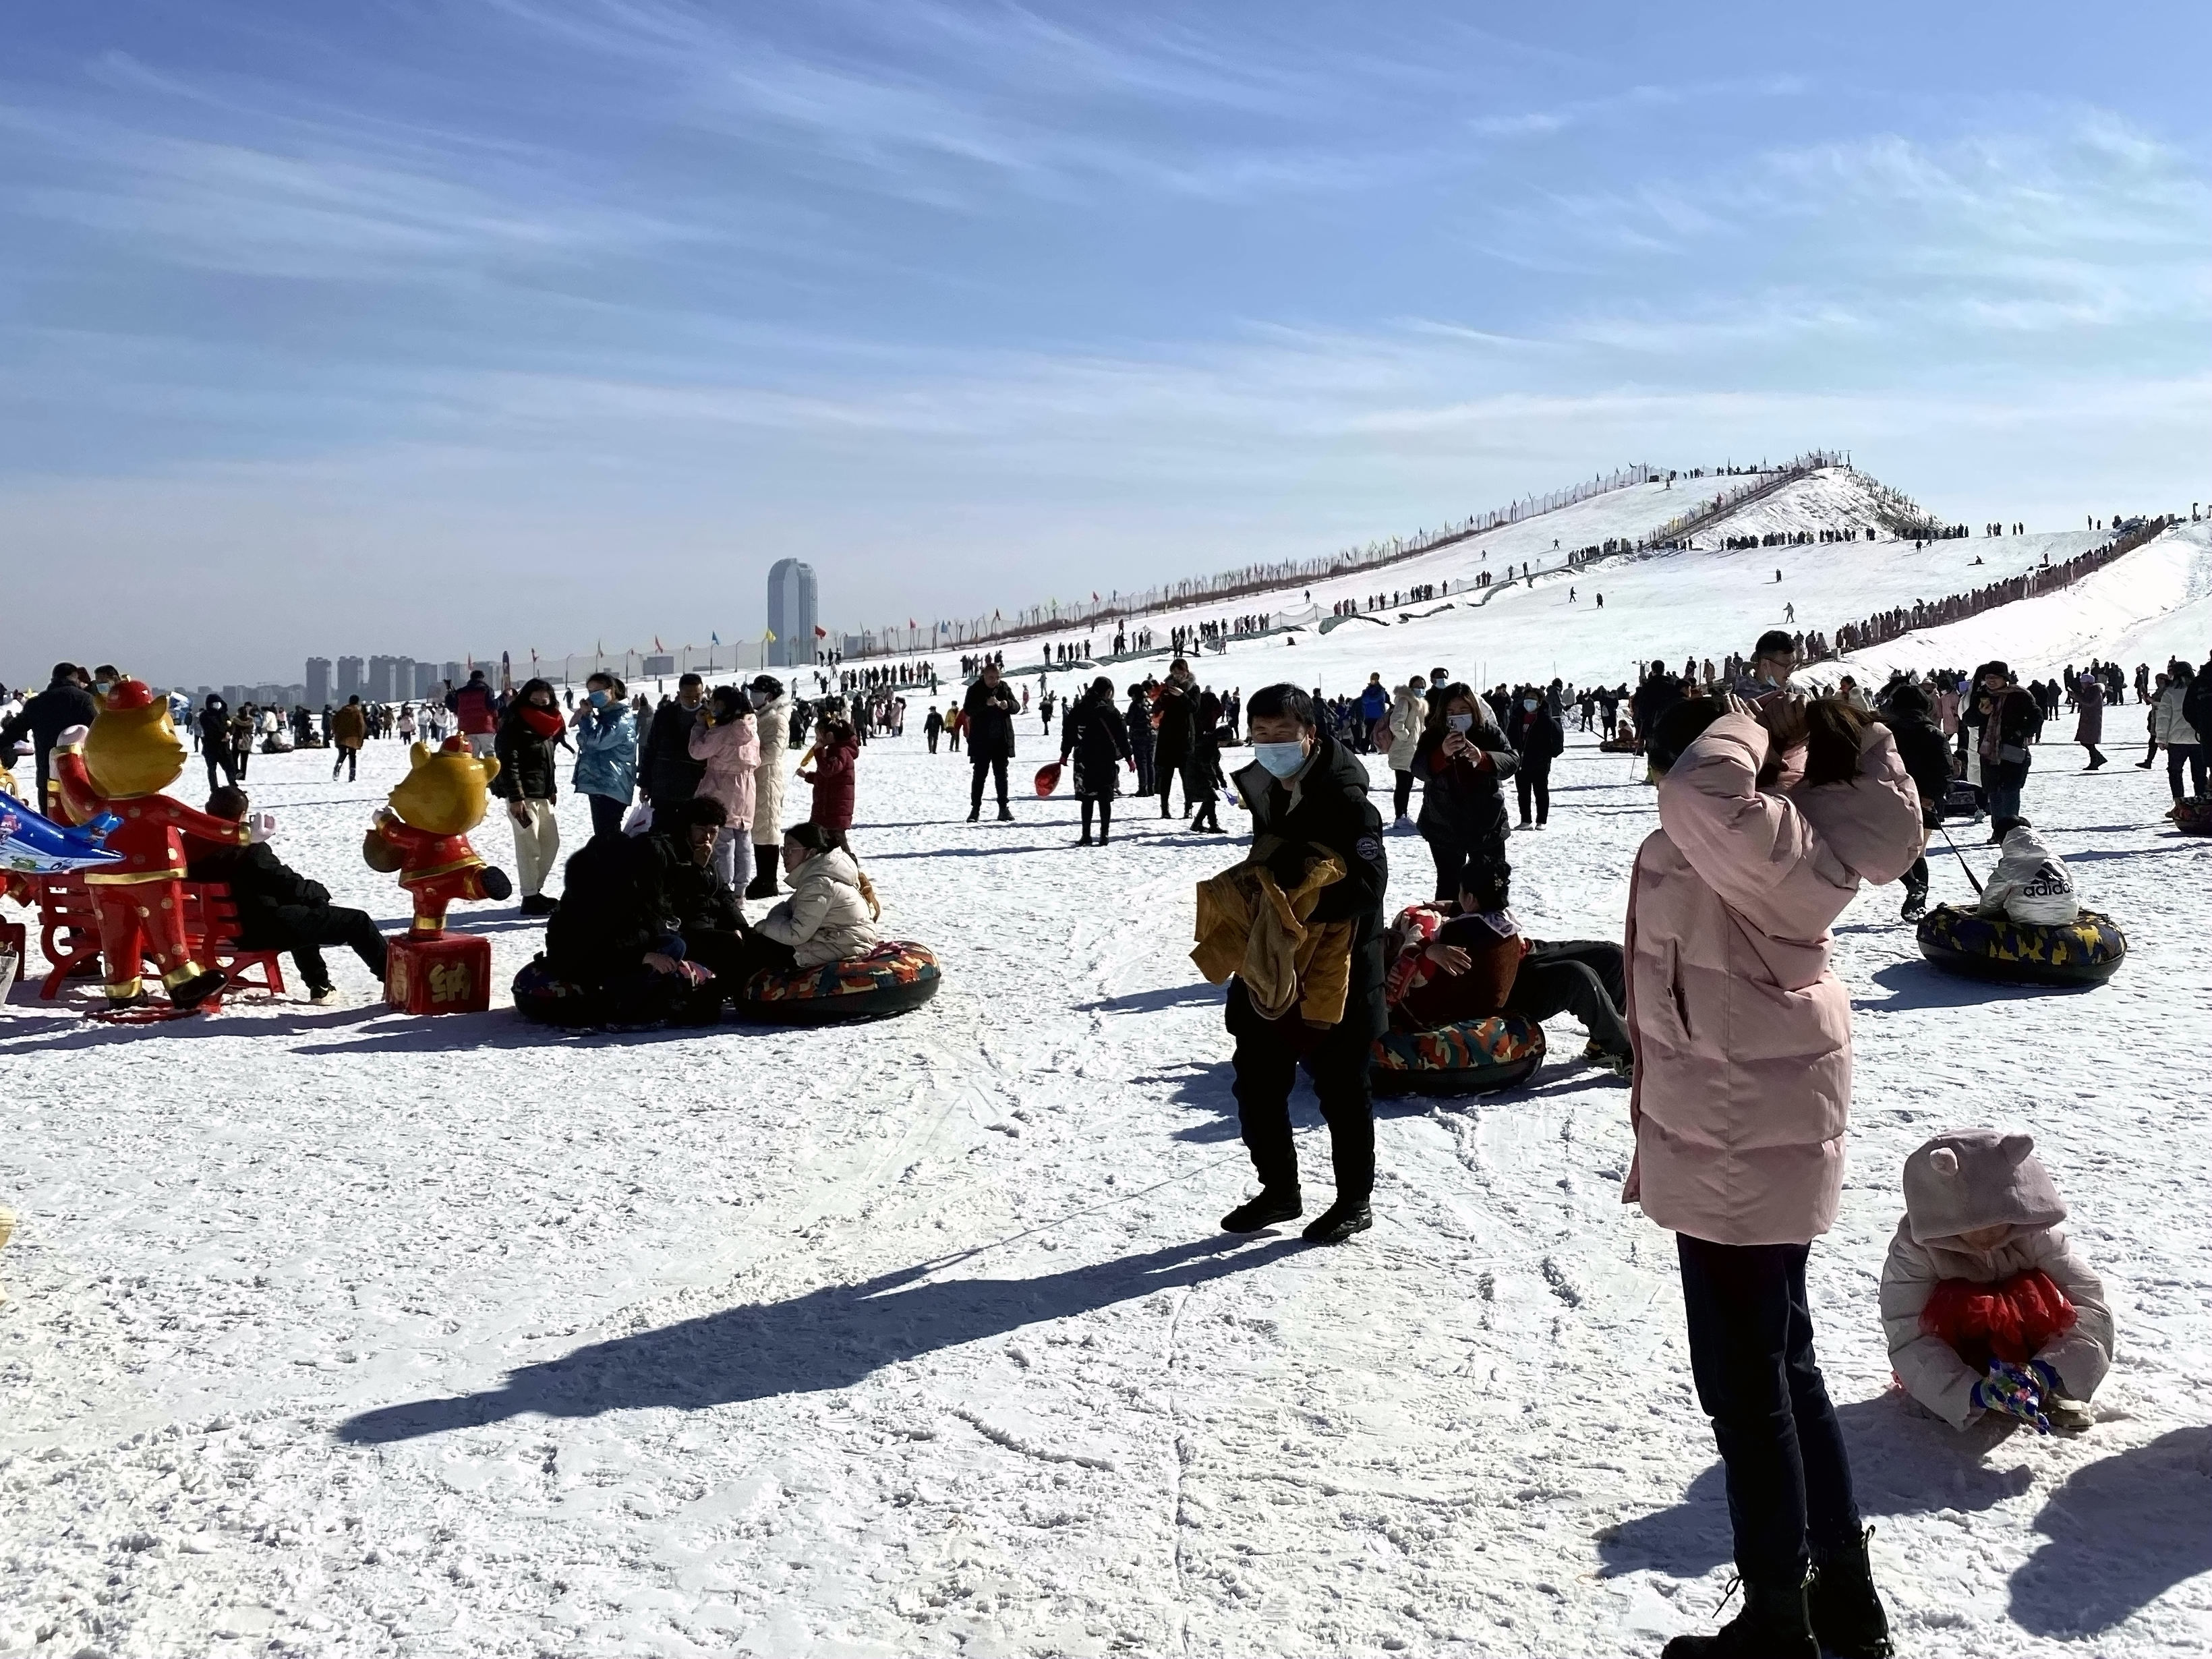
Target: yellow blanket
(1250, 927)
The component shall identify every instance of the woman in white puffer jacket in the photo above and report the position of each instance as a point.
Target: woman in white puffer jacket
(830, 915)
(1409, 713)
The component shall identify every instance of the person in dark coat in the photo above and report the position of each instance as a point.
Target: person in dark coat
(1137, 717)
(2008, 726)
(1926, 753)
(1533, 731)
(614, 936)
(1202, 771)
(1176, 709)
(1093, 733)
(214, 723)
(524, 747)
(279, 909)
(1461, 759)
(1304, 787)
(2089, 722)
(666, 773)
(64, 702)
(988, 716)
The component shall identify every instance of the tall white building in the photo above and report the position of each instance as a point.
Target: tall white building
(791, 613)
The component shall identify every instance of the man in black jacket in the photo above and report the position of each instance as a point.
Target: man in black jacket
(279, 909)
(1533, 731)
(1177, 732)
(63, 703)
(666, 773)
(990, 708)
(1304, 787)
(1926, 753)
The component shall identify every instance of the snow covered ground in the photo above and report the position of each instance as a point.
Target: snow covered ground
(330, 1332)
(1665, 604)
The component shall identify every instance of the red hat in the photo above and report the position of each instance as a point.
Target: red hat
(127, 695)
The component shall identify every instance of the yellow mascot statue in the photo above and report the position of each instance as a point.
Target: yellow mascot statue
(424, 835)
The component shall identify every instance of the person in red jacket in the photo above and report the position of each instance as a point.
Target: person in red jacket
(476, 712)
(836, 747)
(118, 766)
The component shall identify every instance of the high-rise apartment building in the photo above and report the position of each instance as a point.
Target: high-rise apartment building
(349, 678)
(425, 679)
(791, 613)
(379, 679)
(318, 681)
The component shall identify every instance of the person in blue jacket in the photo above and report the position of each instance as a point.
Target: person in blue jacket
(606, 752)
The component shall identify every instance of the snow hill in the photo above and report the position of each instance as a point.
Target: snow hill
(1702, 599)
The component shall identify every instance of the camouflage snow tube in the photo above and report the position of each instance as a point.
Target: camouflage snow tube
(2194, 816)
(1471, 1058)
(895, 977)
(2086, 951)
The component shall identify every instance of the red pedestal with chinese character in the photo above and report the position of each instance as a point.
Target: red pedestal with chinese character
(443, 974)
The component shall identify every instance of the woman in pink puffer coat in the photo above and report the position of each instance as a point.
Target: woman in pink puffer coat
(724, 738)
(1743, 1071)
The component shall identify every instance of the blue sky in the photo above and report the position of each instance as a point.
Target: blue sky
(432, 328)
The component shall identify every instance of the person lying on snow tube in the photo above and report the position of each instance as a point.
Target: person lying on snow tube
(1987, 1305)
(2029, 924)
(818, 954)
(616, 952)
(1467, 993)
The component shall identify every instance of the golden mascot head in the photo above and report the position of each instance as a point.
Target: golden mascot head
(133, 748)
(445, 790)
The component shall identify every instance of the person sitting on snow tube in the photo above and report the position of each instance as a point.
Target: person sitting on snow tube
(831, 915)
(614, 953)
(1469, 960)
(2031, 883)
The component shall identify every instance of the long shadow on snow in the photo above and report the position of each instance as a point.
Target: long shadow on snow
(1923, 985)
(1904, 1461)
(2171, 844)
(93, 1034)
(505, 1028)
(1153, 1002)
(831, 1338)
(2121, 1531)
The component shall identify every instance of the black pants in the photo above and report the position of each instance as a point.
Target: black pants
(1167, 767)
(1402, 796)
(349, 760)
(932, 742)
(1265, 1068)
(1916, 878)
(1105, 805)
(1457, 863)
(1534, 780)
(735, 957)
(1751, 1352)
(1587, 978)
(2190, 754)
(226, 762)
(305, 929)
(607, 814)
(2096, 755)
(1142, 754)
(993, 764)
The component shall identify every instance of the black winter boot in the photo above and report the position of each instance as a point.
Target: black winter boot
(1773, 1624)
(1273, 1204)
(1339, 1222)
(765, 863)
(1846, 1611)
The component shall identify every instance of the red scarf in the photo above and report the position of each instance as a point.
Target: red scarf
(2010, 1320)
(545, 722)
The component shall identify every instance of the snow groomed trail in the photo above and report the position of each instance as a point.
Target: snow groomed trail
(329, 1332)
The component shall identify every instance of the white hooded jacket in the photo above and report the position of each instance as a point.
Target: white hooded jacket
(772, 718)
(2031, 883)
(826, 917)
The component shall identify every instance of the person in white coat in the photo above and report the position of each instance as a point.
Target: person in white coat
(1409, 713)
(772, 721)
(1986, 1304)
(830, 915)
(2031, 883)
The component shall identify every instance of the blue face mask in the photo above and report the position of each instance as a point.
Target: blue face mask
(1281, 759)
(1461, 724)
(599, 699)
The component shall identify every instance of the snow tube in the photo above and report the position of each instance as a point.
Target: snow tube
(2194, 816)
(2086, 951)
(1471, 1058)
(897, 975)
(1048, 779)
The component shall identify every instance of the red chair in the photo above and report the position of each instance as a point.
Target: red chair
(68, 933)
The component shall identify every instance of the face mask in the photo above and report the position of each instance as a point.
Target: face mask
(1528, 702)
(1461, 724)
(1281, 759)
(599, 699)
(103, 686)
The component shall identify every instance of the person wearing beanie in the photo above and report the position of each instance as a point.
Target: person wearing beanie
(1987, 1305)
(772, 726)
(1769, 821)
(1926, 753)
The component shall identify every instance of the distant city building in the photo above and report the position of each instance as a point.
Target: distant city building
(452, 674)
(791, 613)
(318, 681)
(402, 677)
(234, 695)
(349, 679)
(425, 679)
(380, 672)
